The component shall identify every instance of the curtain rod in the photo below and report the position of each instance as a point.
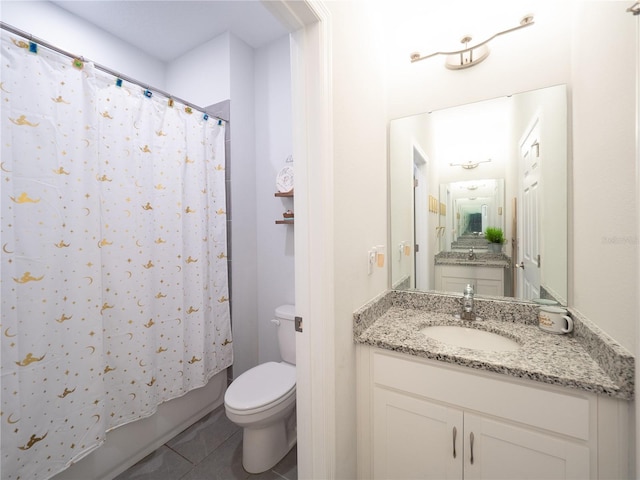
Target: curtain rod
(28, 36)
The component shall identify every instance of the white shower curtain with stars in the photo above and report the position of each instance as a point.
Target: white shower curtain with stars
(114, 273)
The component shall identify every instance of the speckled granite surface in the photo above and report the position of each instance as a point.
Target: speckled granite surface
(480, 259)
(587, 359)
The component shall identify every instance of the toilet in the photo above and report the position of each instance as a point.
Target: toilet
(262, 401)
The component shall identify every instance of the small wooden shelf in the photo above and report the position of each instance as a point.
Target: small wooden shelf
(284, 194)
(286, 221)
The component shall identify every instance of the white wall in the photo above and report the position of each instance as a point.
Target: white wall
(605, 242)
(202, 76)
(570, 43)
(52, 24)
(558, 49)
(273, 145)
(244, 254)
(359, 197)
(404, 134)
(530, 58)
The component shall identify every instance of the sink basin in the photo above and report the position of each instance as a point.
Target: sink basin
(470, 338)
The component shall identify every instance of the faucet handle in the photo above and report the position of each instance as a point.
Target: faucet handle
(468, 290)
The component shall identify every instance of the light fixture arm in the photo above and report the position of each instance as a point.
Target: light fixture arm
(526, 21)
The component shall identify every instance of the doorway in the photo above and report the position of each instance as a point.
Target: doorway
(528, 275)
(420, 220)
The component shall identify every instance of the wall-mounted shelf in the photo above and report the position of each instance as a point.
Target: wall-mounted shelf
(286, 221)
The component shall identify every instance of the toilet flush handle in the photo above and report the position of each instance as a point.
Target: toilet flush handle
(276, 321)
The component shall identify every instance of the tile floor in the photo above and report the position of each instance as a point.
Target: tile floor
(209, 449)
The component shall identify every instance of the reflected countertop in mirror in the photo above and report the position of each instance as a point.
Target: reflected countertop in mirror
(477, 258)
(499, 163)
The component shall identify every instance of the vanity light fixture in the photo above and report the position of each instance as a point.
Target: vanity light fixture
(469, 165)
(470, 56)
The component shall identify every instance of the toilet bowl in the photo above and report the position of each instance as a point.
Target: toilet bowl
(262, 401)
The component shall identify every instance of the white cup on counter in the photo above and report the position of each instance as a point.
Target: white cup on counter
(554, 320)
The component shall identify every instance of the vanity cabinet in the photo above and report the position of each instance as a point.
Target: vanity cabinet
(417, 438)
(485, 280)
(420, 419)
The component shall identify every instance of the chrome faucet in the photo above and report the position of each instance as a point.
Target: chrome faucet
(467, 304)
(472, 254)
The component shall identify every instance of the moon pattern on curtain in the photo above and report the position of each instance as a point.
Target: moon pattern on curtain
(114, 271)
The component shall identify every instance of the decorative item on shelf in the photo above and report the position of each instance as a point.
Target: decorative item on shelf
(495, 237)
(284, 180)
(287, 218)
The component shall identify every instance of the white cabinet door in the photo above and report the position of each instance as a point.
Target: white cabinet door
(455, 284)
(487, 286)
(414, 438)
(485, 280)
(509, 452)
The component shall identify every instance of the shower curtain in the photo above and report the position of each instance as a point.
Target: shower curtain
(114, 273)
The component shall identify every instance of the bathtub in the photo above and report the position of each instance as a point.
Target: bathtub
(128, 444)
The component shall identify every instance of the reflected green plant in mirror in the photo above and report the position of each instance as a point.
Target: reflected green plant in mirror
(494, 235)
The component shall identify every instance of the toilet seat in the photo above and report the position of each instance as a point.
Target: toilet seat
(261, 387)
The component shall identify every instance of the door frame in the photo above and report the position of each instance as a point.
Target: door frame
(310, 43)
(421, 273)
(532, 127)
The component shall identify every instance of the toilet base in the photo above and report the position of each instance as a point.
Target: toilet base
(263, 448)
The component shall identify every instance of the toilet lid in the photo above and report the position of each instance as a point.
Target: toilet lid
(261, 385)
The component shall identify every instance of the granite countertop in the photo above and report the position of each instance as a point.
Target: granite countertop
(586, 360)
(480, 259)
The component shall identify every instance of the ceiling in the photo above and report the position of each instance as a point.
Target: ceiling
(166, 30)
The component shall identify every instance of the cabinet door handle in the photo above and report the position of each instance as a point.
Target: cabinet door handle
(455, 432)
(471, 444)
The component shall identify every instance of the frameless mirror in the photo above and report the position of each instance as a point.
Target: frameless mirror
(453, 173)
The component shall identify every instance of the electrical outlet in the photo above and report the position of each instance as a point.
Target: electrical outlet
(371, 260)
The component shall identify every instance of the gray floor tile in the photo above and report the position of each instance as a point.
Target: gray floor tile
(268, 475)
(163, 464)
(210, 449)
(204, 436)
(286, 469)
(225, 463)
(288, 466)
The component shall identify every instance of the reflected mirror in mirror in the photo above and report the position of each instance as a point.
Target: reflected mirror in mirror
(499, 163)
(475, 205)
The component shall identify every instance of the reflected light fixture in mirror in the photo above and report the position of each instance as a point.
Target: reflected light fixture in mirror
(469, 165)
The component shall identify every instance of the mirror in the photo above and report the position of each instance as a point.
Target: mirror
(499, 163)
(475, 205)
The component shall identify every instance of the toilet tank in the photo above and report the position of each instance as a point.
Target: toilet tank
(286, 332)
